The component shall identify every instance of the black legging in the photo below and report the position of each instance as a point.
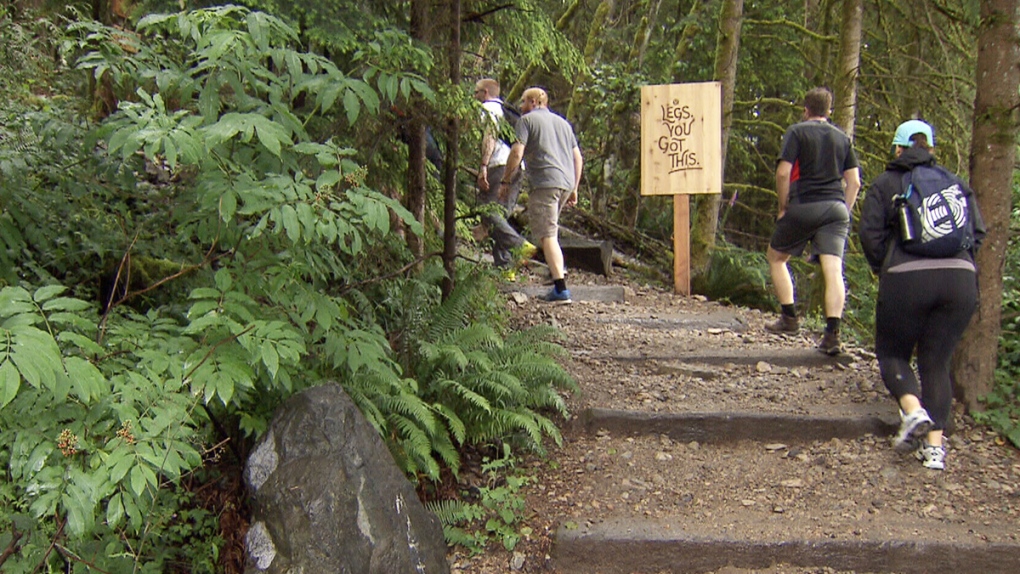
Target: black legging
(926, 309)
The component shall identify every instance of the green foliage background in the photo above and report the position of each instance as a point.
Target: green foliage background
(201, 216)
(203, 241)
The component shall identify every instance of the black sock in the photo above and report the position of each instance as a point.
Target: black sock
(789, 310)
(560, 284)
(832, 324)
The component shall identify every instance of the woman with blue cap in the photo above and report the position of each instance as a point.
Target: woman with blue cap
(924, 302)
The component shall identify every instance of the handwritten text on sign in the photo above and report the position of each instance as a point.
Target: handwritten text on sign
(681, 139)
(678, 121)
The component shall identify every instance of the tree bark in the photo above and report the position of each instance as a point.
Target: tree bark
(647, 27)
(592, 45)
(452, 159)
(706, 212)
(690, 30)
(414, 199)
(522, 82)
(845, 112)
(992, 160)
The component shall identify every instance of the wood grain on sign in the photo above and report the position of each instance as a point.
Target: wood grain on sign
(681, 139)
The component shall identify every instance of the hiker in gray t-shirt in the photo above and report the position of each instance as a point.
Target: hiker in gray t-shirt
(548, 145)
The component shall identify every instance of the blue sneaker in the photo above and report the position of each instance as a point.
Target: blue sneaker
(555, 296)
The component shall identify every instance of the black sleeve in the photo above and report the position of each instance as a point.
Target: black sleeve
(976, 220)
(876, 231)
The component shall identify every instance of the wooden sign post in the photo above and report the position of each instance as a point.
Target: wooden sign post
(681, 154)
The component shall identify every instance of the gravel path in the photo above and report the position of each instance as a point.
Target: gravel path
(658, 353)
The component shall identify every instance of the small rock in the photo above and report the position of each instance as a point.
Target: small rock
(763, 367)
(517, 562)
(775, 446)
(519, 298)
(792, 483)
(663, 456)
(889, 473)
(747, 502)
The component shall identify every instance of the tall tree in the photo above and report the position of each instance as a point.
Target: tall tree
(706, 214)
(453, 156)
(992, 160)
(414, 199)
(845, 85)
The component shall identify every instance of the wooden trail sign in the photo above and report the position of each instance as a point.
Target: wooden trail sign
(681, 154)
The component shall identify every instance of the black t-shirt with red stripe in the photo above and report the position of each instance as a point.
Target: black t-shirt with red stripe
(820, 152)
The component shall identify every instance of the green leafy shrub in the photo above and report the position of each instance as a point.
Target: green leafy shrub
(497, 513)
(468, 382)
(243, 249)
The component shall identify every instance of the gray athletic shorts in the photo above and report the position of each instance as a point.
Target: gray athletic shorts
(544, 206)
(825, 224)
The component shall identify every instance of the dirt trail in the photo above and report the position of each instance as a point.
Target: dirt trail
(827, 495)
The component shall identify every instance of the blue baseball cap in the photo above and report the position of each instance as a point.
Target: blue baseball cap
(909, 128)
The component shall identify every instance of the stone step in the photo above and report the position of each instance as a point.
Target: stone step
(790, 357)
(654, 505)
(707, 389)
(856, 421)
(590, 293)
(608, 550)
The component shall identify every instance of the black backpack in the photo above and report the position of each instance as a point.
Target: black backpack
(506, 132)
(933, 216)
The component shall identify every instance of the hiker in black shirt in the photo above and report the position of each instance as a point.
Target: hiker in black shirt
(923, 303)
(816, 161)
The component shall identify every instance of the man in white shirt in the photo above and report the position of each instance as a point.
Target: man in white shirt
(494, 156)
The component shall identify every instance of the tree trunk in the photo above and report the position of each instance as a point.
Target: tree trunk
(625, 152)
(812, 47)
(647, 27)
(706, 212)
(845, 112)
(592, 45)
(452, 159)
(522, 82)
(690, 30)
(992, 160)
(414, 199)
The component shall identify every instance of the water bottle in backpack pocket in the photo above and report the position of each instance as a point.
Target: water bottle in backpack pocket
(906, 220)
(932, 213)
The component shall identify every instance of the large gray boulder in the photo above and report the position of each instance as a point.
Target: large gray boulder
(328, 497)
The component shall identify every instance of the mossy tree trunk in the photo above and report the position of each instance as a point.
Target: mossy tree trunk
(845, 85)
(452, 157)
(522, 82)
(992, 161)
(414, 199)
(705, 214)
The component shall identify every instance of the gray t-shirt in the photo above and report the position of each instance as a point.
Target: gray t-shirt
(549, 143)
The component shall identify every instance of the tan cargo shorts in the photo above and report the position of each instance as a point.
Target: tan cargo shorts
(544, 206)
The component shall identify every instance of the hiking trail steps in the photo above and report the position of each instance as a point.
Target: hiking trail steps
(701, 443)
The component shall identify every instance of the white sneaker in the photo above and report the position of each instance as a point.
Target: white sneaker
(913, 427)
(933, 457)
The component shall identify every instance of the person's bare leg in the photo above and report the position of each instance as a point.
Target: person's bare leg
(835, 289)
(553, 256)
(781, 280)
(909, 404)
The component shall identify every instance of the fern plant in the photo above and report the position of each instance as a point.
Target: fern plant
(498, 512)
(477, 384)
